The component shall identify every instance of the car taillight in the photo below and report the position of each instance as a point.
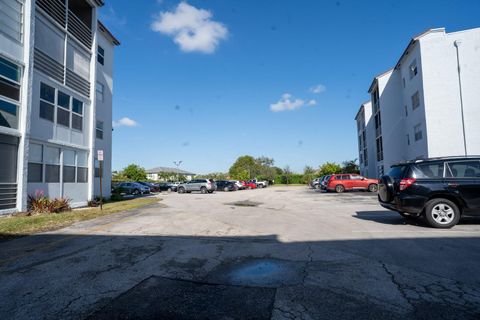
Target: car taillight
(405, 183)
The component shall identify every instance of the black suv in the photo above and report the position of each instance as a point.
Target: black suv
(441, 189)
(224, 185)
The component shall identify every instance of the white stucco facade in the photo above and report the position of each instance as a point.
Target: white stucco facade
(428, 105)
(54, 129)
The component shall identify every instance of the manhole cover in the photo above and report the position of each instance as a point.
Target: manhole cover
(162, 298)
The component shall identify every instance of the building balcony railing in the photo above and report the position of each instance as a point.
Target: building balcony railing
(57, 10)
(79, 29)
(77, 83)
(47, 65)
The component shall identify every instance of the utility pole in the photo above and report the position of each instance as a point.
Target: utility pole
(177, 164)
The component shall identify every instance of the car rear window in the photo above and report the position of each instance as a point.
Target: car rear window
(397, 172)
(429, 170)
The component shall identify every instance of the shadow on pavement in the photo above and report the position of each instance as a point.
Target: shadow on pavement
(100, 276)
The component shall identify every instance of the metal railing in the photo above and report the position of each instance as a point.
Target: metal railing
(77, 83)
(8, 196)
(47, 65)
(56, 9)
(79, 29)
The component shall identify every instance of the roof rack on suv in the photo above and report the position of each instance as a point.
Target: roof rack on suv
(436, 159)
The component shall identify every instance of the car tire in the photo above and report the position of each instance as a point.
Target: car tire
(442, 213)
(386, 189)
(339, 188)
(373, 187)
(136, 192)
(181, 190)
(203, 190)
(226, 189)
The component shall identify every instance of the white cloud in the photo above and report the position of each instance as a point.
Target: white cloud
(287, 102)
(319, 88)
(125, 122)
(192, 29)
(311, 102)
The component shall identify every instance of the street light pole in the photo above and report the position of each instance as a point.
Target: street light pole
(177, 164)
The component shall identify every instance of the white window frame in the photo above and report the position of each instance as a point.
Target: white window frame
(100, 93)
(99, 129)
(56, 106)
(22, 24)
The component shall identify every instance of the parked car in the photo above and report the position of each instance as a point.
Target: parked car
(202, 185)
(225, 185)
(259, 183)
(442, 189)
(167, 186)
(239, 184)
(250, 185)
(153, 186)
(323, 182)
(342, 182)
(315, 182)
(132, 188)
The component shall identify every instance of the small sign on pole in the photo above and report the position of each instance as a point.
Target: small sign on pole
(100, 162)
(100, 155)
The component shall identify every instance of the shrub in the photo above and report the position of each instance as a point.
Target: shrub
(40, 204)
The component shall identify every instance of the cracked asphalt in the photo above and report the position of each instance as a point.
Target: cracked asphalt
(295, 254)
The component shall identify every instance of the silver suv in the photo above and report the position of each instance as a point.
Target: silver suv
(202, 185)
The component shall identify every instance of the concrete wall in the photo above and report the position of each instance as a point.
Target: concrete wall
(442, 92)
(103, 112)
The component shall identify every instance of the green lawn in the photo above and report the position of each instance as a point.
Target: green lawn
(17, 226)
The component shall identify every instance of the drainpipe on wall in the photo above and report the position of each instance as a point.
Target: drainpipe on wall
(457, 45)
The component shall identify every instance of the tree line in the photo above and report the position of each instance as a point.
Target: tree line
(247, 167)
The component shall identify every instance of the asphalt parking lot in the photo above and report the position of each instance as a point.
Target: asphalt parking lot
(275, 253)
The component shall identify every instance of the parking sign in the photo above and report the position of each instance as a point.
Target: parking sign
(100, 155)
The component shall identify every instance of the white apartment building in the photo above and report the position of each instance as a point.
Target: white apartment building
(427, 106)
(56, 71)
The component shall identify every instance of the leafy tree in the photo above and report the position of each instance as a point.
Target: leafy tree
(329, 168)
(213, 175)
(264, 169)
(135, 173)
(350, 166)
(308, 174)
(244, 168)
(287, 172)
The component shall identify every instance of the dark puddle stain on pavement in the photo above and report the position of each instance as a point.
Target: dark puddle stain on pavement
(259, 272)
(163, 298)
(244, 203)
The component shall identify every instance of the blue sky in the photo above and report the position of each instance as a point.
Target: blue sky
(198, 79)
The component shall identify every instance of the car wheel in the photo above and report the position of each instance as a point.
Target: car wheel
(442, 213)
(226, 189)
(373, 187)
(181, 190)
(169, 190)
(203, 190)
(136, 192)
(339, 188)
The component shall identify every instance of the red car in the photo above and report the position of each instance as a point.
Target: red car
(341, 182)
(249, 185)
